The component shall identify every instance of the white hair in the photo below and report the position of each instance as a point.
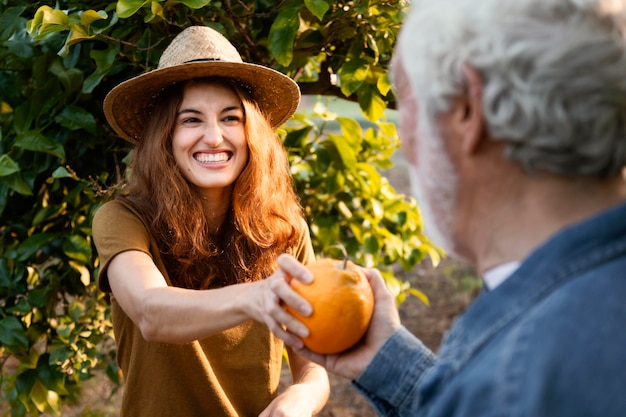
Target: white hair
(554, 74)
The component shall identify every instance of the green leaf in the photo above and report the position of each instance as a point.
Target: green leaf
(371, 245)
(90, 16)
(32, 244)
(78, 33)
(45, 400)
(78, 248)
(85, 275)
(420, 295)
(16, 183)
(22, 117)
(48, 20)
(73, 118)
(8, 166)
(351, 130)
(75, 310)
(326, 230)
(71, 78)
(352, 74)
(22, 307)
(371, 103)
(12, 333)
(283, 33)
(49, 376)
(317, 7)
(297, 138)
(10, 22)
(62, 172)
(24, 384)
(127, 8)
(384, 84)
(48, 213)
(38, 297)
(104, 62)
(347, 154)
(36, 142)
(195, 4)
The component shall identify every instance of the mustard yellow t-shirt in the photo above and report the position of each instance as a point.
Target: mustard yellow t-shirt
(234, 373)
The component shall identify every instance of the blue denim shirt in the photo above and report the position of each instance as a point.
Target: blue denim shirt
(550, 341)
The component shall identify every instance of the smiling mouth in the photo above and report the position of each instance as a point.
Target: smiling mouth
(208, 158)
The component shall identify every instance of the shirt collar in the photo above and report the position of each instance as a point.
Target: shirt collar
(498, 274)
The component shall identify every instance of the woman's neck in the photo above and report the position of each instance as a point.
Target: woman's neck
(215, 209)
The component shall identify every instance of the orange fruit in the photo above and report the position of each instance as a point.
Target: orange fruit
(342, 302)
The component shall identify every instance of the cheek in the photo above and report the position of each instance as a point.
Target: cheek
(178, 147)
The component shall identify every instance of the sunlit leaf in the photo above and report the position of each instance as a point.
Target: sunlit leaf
(352, 75)
(45, 400)
(384, 84)
(78, 248)
(90, 16)
(85, 275)
(48, 20)
(351, 130)
(127, 8)
(417, 293)
(346, 153)
(371, 103)
(5, 108)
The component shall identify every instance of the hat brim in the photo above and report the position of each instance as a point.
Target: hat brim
(126, 107)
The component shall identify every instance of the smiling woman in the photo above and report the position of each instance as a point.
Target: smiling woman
(189, 248)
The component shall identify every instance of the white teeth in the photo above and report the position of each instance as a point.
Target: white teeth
(211, 157)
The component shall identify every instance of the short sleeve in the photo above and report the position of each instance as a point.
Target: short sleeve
(117, 229)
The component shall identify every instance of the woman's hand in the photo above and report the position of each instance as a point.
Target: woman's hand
(267, 298)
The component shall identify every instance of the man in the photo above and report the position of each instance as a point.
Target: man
(513, 119)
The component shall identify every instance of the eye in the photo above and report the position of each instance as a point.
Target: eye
(233, 118)
(189, 120)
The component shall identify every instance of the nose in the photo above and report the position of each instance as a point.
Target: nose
(213, 135)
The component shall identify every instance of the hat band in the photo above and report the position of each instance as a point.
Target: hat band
(202, 60)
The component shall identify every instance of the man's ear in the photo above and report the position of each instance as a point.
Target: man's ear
(470, 117)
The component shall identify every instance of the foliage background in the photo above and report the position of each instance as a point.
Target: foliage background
(58, 158)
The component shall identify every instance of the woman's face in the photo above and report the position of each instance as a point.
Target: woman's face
(209, 140)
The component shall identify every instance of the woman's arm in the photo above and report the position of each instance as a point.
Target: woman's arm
(178, 315)
(308, 394)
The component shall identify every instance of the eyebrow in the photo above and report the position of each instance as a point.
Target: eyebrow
(224, 110)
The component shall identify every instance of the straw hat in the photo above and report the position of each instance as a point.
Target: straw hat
(198, 51)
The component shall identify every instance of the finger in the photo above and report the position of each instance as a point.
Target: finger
(285, 335)
(376, 280)
(287, 295)
(294, 268)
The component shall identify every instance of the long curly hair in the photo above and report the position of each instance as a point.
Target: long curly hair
(265, 217)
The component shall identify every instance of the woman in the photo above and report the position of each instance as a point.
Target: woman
(186, 248)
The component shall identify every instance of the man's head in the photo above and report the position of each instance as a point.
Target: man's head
(551, 78)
